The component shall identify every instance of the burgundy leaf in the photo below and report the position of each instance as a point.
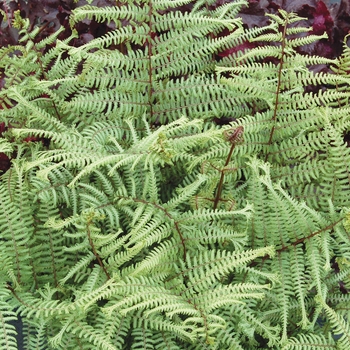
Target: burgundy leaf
(323, 22)
(5, 162)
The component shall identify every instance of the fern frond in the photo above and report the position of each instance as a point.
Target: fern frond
(7, 317)
(341, 326)
(310, 342)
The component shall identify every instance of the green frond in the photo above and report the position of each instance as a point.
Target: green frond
(340, 326)
(306, 40)
(344, 59)
(34, 335)
(208, 268)
(310, 342)
(251, 324)
(50, 39)
(39, 308)
(86, 332)
(159, 261)
(109, 14)
(164, 4)
(186, 20)
(79, 266)
(7, 317)
(283, 17)
(228, 295)
(109, 237)
(5, 146)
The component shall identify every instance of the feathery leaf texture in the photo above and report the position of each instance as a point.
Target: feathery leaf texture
(129, 219)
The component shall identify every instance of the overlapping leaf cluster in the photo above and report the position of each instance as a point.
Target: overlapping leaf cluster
(130, 220)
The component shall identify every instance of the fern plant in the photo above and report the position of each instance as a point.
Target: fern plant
(130, 220)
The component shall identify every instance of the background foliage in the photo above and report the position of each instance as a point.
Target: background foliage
(179, 180)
